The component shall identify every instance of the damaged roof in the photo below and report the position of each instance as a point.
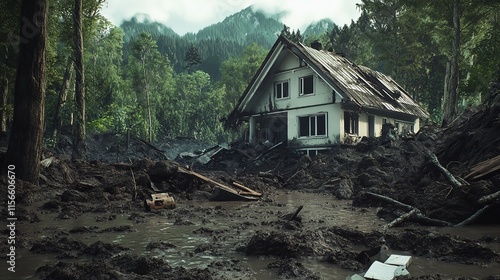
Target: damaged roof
(357, 84)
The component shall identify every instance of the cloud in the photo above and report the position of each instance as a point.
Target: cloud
(192, 15)
(299, 14)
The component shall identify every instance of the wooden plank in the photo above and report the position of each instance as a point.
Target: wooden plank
(245, 189)
(484, 168)
(203, 178)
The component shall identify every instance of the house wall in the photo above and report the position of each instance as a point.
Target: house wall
(324, 100)
(333, 126)
(290, 69)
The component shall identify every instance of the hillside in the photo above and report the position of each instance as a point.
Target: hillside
(318, 28)
(216, 42)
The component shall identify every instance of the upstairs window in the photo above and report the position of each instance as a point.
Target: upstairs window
(281, 90)
(312, 125)
(306, 85)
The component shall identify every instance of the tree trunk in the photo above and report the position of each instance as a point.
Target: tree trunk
(4, 91)
(63, 95)
(450, 102)
(146, 86)
(79, 147)
(25, 143)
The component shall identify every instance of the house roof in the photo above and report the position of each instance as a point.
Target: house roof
(358, 85)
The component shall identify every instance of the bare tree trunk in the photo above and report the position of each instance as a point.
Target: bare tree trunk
(146, 85)
(4, 92)
(79, 147)
(25, 143)
(450, 102)
(63, 96)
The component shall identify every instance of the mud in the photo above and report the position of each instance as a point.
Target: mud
(108, 190)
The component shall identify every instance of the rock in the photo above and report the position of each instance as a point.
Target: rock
(344, 189)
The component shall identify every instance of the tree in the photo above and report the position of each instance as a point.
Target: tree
(62, 98)
(384, 18)
(192, 58)
(150, 73)
(450, 103)
(238, 71)
(25, 144)
(79, 147)
(8, 58)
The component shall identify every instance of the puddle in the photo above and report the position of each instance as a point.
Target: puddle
(319, 211)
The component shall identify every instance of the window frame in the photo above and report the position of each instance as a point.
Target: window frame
(312, 126)
(281, 83)
(302, 85)
(351, 122)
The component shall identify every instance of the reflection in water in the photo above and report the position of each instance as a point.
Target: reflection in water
(319, 211)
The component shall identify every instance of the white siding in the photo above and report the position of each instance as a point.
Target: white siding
(333, 126)
(291, 71)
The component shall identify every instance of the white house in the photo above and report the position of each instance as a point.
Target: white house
(312, 99)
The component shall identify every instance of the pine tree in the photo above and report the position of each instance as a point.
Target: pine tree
(192, 58)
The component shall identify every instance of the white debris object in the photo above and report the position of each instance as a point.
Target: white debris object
(399, 260)
(355, 277)
(381, 271)
(401, 271)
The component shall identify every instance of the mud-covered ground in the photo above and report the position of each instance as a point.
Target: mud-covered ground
(114, 182)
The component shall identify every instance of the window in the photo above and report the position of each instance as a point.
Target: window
(371, 126)
(351, 122)
(281, 90)
(312, 125)
(405, 128)
(306, 85)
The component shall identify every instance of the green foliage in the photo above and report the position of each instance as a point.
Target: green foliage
(192, 58)
(292, 36)
(237, 72)
(120, 119)
(149, 73)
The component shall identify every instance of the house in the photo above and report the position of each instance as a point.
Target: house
(313, 99)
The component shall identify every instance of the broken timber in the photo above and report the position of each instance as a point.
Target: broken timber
(484, 169)
(413, 213)
(247, 191)
(296, 213)
(223, 189)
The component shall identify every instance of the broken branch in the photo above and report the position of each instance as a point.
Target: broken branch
(489, 198)
(390, 200)
(474, 217)
(416, 215)
(401, 219)
(432, 157)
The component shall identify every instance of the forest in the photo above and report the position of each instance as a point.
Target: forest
(142, 79)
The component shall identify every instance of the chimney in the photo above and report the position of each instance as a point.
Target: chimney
(316, 45)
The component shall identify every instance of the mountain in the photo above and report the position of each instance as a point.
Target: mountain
(216, 42)
(143, 23)
(319, 27)
(245, 27)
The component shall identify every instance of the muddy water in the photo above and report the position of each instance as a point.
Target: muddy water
(319, 211)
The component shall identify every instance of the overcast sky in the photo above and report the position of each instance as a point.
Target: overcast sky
(192, 15)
